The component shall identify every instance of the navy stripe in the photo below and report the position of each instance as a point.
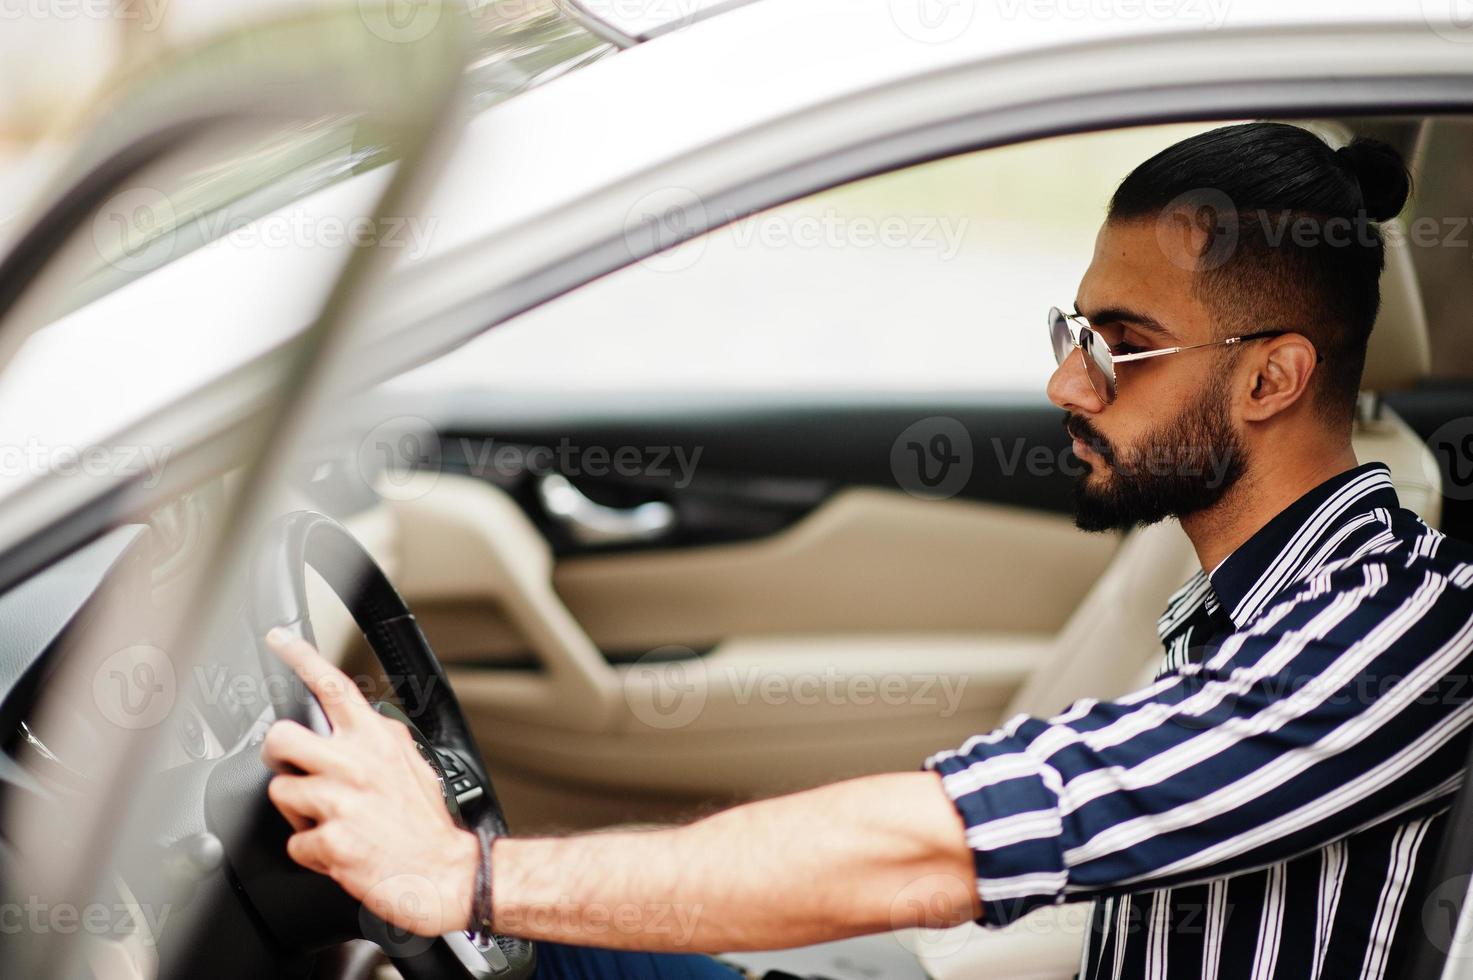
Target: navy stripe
(1267, 807)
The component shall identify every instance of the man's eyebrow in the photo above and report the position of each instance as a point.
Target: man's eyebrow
(1134, 318)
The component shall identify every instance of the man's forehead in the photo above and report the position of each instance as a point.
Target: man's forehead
(1132, 278)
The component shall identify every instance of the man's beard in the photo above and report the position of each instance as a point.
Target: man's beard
(1185, 466)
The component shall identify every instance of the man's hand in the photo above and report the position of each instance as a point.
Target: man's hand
(875, 853)
(366, 809)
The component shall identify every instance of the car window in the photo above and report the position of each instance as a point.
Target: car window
(938, 276)
(513, 47)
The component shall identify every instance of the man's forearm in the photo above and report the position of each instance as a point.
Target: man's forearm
(856, 857)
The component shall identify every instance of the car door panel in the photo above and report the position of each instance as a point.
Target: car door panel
(867, 560)
(740, 465)
(860, 633)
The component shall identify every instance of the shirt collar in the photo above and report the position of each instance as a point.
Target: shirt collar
(1285, 548)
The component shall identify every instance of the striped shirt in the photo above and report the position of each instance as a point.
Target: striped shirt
(1268, 807)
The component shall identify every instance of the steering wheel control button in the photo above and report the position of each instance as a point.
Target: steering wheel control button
(435, 758)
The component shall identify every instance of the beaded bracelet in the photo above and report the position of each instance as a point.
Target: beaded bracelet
(481, 900)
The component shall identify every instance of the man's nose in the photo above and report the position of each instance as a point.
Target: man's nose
(1069, 386)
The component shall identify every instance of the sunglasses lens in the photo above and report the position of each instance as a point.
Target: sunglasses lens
(1058, 328)
(1099, 366)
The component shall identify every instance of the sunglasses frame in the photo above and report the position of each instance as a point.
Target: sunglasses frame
(1096, 353)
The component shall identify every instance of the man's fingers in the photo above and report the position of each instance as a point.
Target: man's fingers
(298, 822)
(299, 797)
(339, 696)
(305, 848)
(290, 748)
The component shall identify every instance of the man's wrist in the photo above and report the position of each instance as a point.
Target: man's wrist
(463, 859)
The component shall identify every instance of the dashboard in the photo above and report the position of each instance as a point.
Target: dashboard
(95, 611)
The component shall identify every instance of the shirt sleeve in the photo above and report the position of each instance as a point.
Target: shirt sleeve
(1338, 707)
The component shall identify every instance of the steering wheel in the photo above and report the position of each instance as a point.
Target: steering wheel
(302, 910)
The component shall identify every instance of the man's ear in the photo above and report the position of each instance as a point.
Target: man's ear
(1280, 377)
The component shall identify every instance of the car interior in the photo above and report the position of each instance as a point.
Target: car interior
(757, 600)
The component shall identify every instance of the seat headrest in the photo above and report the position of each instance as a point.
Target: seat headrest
(1398, 355)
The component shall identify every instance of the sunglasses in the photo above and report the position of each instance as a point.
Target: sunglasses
(1068, 331)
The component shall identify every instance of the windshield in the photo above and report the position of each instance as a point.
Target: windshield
(514, 47)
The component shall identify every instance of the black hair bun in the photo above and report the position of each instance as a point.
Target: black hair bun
(1382, 174)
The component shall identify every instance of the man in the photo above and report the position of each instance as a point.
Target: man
(1268, 807)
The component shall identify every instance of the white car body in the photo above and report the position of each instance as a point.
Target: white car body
(733, 113)
(553, 187)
